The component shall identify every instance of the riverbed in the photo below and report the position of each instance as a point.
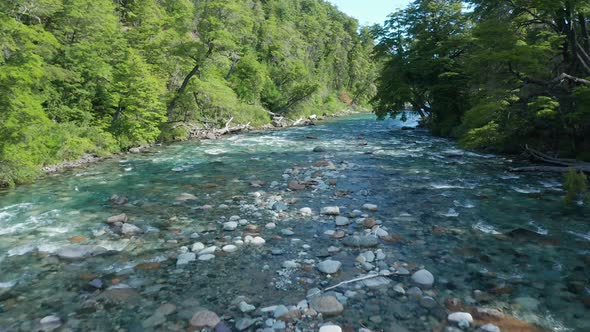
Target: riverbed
(493, 240)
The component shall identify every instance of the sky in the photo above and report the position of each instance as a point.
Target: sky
(369, 12)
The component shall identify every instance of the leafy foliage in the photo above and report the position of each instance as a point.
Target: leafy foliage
(497, 76)
(98, 76)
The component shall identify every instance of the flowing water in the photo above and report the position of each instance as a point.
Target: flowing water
(445, 209)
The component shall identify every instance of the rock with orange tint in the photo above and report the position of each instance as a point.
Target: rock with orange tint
(77, 239)
(205, 318)
(505, 323)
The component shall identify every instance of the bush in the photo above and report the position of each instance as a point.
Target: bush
(576, 186)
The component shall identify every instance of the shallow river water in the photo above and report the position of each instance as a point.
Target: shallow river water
(491, 238)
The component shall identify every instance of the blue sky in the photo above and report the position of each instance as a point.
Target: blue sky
(368, 12)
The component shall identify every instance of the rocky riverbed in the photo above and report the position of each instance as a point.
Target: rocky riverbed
(353, 225)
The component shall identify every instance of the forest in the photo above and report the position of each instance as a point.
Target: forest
(497, 75)
(101, 76)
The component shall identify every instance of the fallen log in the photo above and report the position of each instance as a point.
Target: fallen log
(562, 165)
(553, 169)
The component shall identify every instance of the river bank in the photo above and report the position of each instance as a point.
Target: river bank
(88, 159)
(250, 227)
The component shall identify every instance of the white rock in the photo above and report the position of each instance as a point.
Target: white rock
(488, 328)
(50, 323)
(206, 257)
(245, 307)
(329, 266)
(305, 211)
(258, 241)
(330, 328)
(230, 226)
(423, 278)
(230, 248)
(198, 246)
(370, 207)
(271, 225)
(458, 317)
(331, 210)
(208, 250)
(290, 264)
(185, 258)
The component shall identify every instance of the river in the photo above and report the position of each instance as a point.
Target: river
(491, 238)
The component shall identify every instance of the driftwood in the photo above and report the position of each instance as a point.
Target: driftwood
(207, 132)
(369, 276)
(562, 164)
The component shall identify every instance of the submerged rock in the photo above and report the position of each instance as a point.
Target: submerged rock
(185, 258)
(363, 241)
(78, 251)
(460, 318)
(423, 278)
(122, 218)
(130, 230)
(329, 266)
(296, 185)
(331, 210)
(327, 305)
(205, 318)
(330, 328)
(50, 323)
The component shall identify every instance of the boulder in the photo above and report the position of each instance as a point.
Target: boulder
(122, 218)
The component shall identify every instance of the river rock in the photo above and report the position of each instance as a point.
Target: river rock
(296, 185)
(488, 328)
(186, 197)
(364, 241)
(130, 230)
(527, 303)
(279, 206)
(376, 282)
(423, 278)
(205, 318)
(305, 211)
(330, 328)
(229, 248)
(331, 210)
(460, 318)
(370, 207)
(79, 251)
(327, 305)
(206, 257)
(342, 221)
(122, 218)
(280, 311)
(245, 307)
(185, 258)
(329, 266)
(197, 246)
(257, 241)
(428, 302)
(244, 323)
(319, 149)
(208, 250)
(230, 226)
(50, 323)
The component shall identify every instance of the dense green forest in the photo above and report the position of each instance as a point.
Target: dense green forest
(495, 74)
(100, 76)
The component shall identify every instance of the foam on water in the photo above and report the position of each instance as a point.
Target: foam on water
(486, 228)
(538, 228)
(585, 236)
(526, 190)
(7, 284)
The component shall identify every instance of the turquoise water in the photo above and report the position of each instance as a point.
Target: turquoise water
(446, 207)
